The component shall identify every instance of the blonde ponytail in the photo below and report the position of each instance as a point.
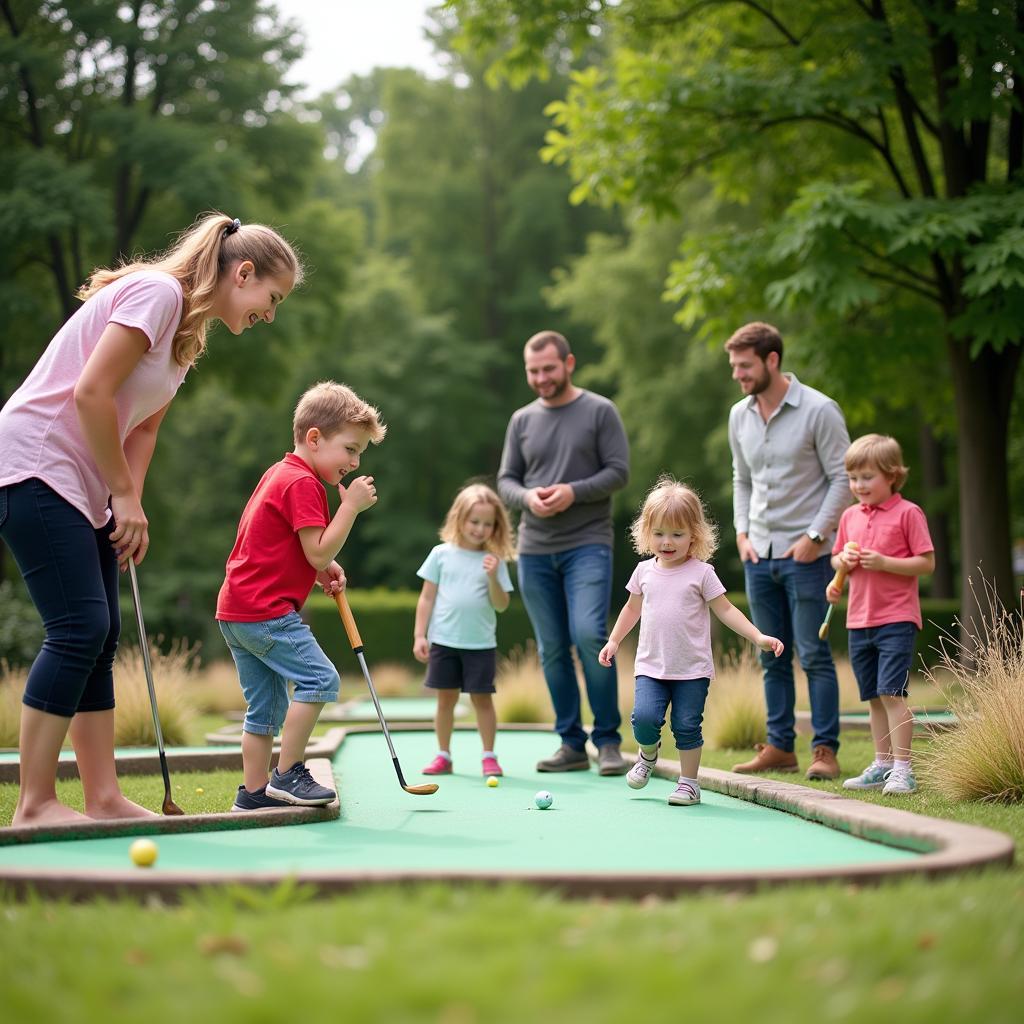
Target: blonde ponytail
(203, 252)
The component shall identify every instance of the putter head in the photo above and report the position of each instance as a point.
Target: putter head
(170, 807)
(425, 790)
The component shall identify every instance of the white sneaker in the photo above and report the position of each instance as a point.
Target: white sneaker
(640, 774)
(899, 782)
(685, 793)
(873, 777)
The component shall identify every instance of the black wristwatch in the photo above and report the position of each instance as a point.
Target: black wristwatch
(816, 537)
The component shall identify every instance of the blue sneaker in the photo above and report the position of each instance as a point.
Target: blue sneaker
(297, 786)
(258, 801)
(873, 777)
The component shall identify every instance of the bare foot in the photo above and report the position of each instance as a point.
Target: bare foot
(52, 812)
(118, 806)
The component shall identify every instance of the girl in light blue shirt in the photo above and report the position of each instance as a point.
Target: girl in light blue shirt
(465, 582)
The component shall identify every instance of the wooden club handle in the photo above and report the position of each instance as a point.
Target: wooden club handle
(347, 619)
(839, 580)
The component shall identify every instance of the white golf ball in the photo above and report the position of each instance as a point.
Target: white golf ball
(543, 799)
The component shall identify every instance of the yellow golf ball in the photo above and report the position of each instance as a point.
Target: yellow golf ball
(492, 781)
(143, 853)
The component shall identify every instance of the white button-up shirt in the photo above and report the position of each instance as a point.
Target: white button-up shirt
(788, 474)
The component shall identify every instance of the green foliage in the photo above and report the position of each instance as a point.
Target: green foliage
(385, 620)
(21, 632)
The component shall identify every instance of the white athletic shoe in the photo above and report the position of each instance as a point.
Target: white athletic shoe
(640, 774)
(685, 793)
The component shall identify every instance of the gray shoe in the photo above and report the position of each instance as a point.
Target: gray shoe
(565, 759)
(609, 760)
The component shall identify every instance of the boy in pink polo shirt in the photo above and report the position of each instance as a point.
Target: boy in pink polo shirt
(893, 548)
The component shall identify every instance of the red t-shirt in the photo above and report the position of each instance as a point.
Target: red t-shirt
(268, 574)
(897, 528)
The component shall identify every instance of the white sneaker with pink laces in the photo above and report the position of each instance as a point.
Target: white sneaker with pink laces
(687, 792)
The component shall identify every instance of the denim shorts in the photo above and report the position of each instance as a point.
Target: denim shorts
(882, 657)
(271, 654)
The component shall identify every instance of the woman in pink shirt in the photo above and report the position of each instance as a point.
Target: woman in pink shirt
(884, 545)
(76, 441)
(670, 595)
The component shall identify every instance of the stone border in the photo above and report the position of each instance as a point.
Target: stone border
(944, 846)
(228, 821)
(861, 723)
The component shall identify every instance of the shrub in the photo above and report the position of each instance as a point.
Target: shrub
(983, 757)
(735, 715)
(174, 680)
(21, 632)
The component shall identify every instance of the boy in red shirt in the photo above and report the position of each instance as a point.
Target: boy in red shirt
(286, 542)
(893, 548)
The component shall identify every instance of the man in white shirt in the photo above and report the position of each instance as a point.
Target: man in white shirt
(789, 489)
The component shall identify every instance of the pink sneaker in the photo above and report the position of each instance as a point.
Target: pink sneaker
(490, 766)
(439, 766)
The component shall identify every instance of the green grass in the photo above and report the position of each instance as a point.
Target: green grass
(913, 951)
(148, 790)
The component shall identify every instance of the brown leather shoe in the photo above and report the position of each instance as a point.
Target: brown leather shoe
(768, 759)
(824, 765)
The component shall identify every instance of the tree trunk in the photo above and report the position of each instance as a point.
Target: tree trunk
(935, 484)
(983, 387)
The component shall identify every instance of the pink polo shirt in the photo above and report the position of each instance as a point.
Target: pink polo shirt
(40, 435)
(897, 528)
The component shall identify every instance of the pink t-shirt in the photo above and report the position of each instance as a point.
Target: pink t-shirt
(675, 624)
(40, 435)
(898, 528)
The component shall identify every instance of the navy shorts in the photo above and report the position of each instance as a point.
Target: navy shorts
(881, 657)
(452, 668)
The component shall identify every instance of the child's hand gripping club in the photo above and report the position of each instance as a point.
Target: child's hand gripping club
(834, 590)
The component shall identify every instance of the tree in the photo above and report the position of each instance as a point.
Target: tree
(122, 119)
(925, 94)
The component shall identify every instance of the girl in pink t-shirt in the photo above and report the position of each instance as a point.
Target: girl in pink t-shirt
(884, 545)
(670, 595)
(76, 441)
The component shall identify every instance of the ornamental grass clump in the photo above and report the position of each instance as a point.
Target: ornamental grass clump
(12, 686)
(735, 716)
(522, 694)
(983, 682)
(174, 680)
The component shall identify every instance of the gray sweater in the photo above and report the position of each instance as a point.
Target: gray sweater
(583, 444)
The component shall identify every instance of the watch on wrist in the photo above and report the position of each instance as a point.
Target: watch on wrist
(816, 537)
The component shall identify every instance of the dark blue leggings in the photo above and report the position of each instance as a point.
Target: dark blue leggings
(71, 573)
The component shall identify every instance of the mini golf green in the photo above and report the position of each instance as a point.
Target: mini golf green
(926, 720)
(599, 835)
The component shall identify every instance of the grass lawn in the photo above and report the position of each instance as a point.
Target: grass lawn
(911, 951)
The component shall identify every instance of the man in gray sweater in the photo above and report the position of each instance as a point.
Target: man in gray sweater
(565, 455)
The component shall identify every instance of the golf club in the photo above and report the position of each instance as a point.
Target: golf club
(169, 806)
(357, 646)
(838, 581)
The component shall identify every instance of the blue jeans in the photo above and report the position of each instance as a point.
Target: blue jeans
(71, 574)
(653, 696)
(882, 657)
(787, 600)
(271, 654)
(567, 596)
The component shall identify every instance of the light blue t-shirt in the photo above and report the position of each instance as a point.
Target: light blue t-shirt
(463, 615)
